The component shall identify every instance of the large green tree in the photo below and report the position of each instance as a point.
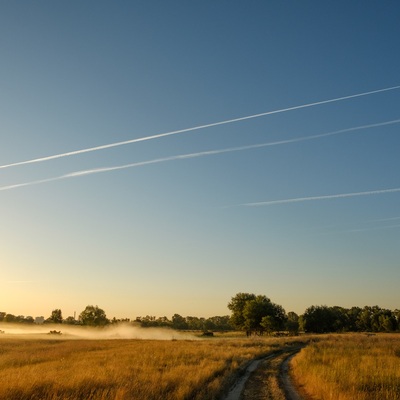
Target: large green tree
(257, 314)
(319, 319)
(93, 316)
(237, 305)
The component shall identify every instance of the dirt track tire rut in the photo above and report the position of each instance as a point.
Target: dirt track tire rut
(266, 379)
(285, 381)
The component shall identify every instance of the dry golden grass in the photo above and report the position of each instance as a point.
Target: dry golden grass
(123, 369)
(350, 367)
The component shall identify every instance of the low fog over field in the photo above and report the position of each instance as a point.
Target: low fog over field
(121, 331)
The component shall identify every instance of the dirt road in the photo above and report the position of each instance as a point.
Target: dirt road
(267, 379)
(290, 391)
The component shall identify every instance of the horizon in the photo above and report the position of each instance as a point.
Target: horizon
(76, 313)
(160, 159)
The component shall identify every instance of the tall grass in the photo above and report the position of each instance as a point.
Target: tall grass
(123, 369)
(350, 367)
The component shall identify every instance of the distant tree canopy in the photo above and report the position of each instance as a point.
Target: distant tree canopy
(55, 317)
(70, 321)
(256, 314)
(250, 313)
(5, 317)
(292, 323)
(93, 316)
(179, 322)
(217, 323)
(320, 319)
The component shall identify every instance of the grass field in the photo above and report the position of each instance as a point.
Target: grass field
(350, 367)
(50, 368)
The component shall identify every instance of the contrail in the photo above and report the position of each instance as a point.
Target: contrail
(176, 132)
(384, 219)
(314, 198)
(195, 155)
(231, 149)
(18, 185)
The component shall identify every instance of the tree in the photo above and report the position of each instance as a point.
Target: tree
(10, 318)
(248, 311)
(70, 321)
(375, 322)
(237, 305)
(292, 323)
(254, 311)
(55, 317)
(20, 318)
(396, 316)
(220, 323)
(352, 316)
(148, 321)
(179, 322)
(268, 323)
(387, 323)
(364, 319)
(341, 319)
(195, 323)
(163, 321)
(259, 308)
(319, 319)
(93, 316)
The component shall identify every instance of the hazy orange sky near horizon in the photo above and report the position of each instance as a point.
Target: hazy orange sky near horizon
(159, 158)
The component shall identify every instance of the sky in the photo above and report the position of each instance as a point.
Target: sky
(160, 157)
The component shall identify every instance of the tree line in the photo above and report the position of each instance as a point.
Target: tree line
(253, 314)
(217, 323)
(322, 319)
(257, 314)
(95, 316)
(90, 316)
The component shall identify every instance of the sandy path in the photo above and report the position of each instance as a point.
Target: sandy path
(237, 389)
(290, 391)
(257, 389)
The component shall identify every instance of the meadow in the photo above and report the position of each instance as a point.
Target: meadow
(56, 368)
(350, 367)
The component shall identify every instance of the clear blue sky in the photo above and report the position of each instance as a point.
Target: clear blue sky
(179, 235)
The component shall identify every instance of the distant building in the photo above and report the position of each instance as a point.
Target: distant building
(39, 320)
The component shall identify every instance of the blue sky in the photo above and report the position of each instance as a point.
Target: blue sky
(179, 235)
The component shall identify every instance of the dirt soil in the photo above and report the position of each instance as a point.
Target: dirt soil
(267, 379)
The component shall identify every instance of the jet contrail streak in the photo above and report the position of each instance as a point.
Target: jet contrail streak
(145, 138)
(32, 183)
(195, 155)
(231, 149)
(314, 198)
(384, 219)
